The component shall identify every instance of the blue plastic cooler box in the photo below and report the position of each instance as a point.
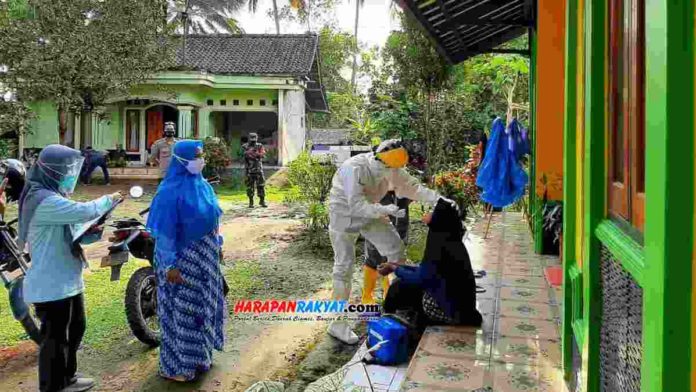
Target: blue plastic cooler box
(393, 352)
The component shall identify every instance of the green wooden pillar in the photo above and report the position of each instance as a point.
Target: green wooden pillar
(569, 184)
(595, 186)
(669, 195)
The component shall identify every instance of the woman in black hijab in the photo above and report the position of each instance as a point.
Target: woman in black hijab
(442, 287)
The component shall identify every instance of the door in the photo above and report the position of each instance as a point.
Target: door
(155, 126)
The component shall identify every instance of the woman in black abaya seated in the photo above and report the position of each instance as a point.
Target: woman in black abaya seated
(442, 288)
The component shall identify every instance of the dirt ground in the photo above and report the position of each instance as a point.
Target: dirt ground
(264, 239)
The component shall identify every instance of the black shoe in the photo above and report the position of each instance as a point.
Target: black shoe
(262, 203)
(251, 204)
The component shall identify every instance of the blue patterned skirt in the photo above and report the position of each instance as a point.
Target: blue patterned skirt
(192, 315)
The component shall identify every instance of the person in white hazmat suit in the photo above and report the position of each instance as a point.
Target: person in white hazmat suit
(355, 209)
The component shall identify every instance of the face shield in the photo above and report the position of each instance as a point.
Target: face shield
(65, 175)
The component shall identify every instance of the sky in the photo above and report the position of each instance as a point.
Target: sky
(376, 21)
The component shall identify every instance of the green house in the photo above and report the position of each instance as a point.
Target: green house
(612, 128)
(233, 85)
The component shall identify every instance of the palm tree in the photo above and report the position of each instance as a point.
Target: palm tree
(358, 4)
(204, 16)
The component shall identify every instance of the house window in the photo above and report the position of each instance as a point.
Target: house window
(250, 102)
(235, 102)
(133, 130)
(210, 102)
(223, 102)
(274, 102)
(626, 118)
(262, 102)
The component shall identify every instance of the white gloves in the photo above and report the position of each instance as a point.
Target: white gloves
(393, 210)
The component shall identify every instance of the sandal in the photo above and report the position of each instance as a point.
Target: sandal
(479, 274)
(480, 290)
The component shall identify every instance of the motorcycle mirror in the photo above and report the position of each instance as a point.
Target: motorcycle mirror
(136, 192)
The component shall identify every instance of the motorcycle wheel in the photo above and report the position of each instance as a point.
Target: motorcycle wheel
(24, 313)
(141, 306)
(31, 327)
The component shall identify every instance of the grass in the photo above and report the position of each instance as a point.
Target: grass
(243, 280)
(106, 318)
(229, 194)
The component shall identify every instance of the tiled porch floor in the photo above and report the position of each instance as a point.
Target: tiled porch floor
(518, 348)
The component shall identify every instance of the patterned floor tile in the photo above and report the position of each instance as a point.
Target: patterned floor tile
(524, 281)
(456, 345)
(515, 378)
(541, 353)
(522, 271)
(525, 294)
(525, 309)
(435, 372)
(528, 328)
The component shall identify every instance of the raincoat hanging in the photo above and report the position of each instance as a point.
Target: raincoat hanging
(501, 176)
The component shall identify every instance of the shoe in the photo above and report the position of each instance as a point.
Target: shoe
(81, 384)
(262, 203)
(251, 203)
(342, 331)
(370, 276)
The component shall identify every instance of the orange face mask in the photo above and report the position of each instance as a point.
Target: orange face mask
(395, 159)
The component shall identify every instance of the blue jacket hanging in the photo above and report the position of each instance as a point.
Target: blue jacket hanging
(501, 176)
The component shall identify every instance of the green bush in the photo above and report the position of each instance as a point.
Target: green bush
(217, 156)
(312, 175)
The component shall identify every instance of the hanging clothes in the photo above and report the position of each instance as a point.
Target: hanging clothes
(501, 176)
(518, 142)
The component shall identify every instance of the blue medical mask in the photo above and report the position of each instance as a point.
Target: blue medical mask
(67, 184)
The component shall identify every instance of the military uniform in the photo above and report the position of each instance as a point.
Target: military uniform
(161, 152)
(253, 154)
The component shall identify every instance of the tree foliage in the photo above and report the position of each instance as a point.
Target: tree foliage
(77, 53)
(206, 16)
(415, 63)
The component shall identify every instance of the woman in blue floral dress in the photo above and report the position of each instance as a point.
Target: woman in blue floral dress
(184, 219)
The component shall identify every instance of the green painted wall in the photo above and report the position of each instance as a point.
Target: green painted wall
(199, 95)
(44, 127)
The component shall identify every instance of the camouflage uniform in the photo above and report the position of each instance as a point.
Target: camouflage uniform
(372, 256)
(253, 154)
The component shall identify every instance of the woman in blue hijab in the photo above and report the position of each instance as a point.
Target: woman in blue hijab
(184, 219)
(47, 221)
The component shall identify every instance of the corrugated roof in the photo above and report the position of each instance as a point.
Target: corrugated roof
(250, 54)
(465, 28)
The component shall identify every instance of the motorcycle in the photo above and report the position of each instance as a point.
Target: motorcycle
(13, 267)
(131, 238)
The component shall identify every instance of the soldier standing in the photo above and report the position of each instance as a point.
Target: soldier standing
(161, 151)
(253, 154)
